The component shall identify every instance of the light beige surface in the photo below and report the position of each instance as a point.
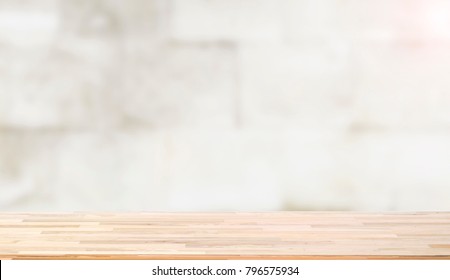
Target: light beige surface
(274, 235)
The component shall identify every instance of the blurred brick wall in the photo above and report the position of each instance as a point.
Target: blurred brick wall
(224, 105)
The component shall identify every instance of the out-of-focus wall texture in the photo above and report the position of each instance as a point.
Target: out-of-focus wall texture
(207, 105)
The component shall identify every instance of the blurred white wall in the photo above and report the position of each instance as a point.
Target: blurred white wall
(206, 105)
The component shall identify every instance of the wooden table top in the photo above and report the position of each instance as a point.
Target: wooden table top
(271, 235)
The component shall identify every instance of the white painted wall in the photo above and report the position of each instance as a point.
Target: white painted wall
(199, 105)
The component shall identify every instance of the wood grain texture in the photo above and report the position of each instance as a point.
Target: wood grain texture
(271, 235)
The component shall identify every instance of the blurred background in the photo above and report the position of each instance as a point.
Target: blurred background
(224, 105)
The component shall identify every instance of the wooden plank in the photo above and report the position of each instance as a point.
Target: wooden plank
(270, 235)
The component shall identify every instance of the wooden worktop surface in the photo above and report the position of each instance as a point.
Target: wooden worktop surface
(273, 235)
